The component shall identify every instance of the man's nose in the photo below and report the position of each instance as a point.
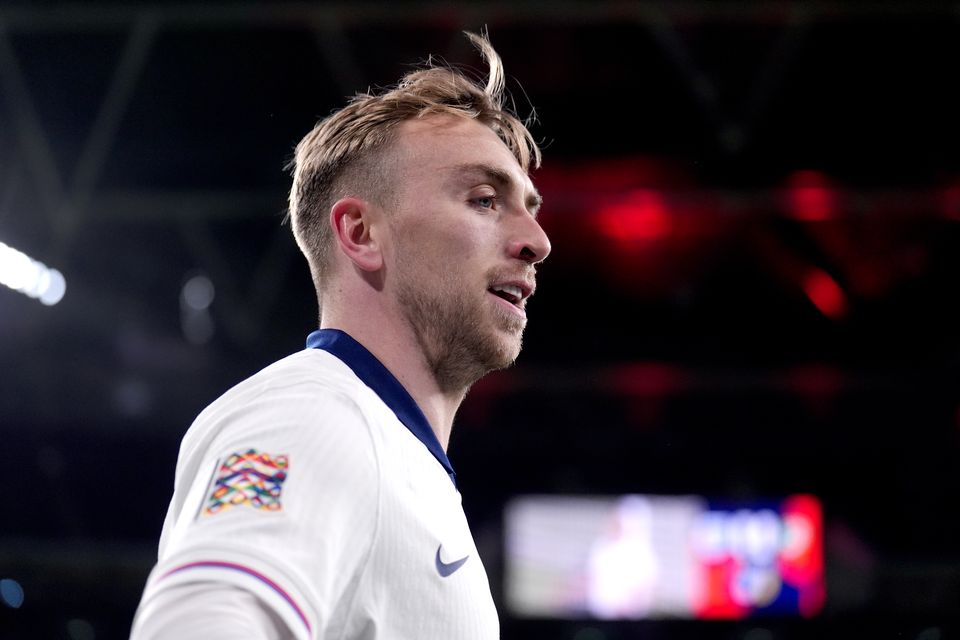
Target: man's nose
(531, 243)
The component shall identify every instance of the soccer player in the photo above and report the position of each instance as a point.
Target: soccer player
(315, 499)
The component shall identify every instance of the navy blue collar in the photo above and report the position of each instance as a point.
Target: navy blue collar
(376, 376)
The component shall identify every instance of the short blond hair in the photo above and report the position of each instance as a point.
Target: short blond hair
(339, 157)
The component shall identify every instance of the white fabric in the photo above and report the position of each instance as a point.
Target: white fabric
(352, 554)
(230, 613)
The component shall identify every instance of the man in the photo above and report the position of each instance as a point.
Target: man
(315, 499)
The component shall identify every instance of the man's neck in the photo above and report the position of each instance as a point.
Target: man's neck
(395, 346)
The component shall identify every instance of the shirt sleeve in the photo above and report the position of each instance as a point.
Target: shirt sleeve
(277, 494)
(229, 613)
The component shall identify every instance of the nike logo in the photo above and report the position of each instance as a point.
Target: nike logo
(446, 569)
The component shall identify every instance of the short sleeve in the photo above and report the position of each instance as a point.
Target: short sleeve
(277, 493)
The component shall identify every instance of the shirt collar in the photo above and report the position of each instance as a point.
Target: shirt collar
(376, 376)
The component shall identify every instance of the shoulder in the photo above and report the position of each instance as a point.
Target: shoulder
(298, 419)
(308, 375)
(307, 387)
(307, 402)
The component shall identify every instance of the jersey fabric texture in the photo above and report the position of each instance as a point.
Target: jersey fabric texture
(318, 486)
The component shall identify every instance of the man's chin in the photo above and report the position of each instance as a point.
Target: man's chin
(510, 343)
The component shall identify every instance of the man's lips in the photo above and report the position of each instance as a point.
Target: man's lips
(514, 291)
(514, 308)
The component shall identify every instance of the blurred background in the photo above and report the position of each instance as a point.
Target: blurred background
(755, 213)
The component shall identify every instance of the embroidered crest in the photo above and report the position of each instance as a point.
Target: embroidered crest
(248, 479)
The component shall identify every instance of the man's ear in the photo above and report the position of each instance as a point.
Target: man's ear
(351, 219)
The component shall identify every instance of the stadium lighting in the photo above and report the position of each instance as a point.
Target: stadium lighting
(22, 273)
(825, 293)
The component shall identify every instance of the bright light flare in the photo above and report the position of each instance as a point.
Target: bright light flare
(825, 294)
(811, 197)
(641, 217)
(11, 593)
(22, 273)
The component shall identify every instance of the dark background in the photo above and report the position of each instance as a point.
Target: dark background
(755, 212)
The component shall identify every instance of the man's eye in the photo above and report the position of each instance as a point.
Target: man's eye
(485, 202)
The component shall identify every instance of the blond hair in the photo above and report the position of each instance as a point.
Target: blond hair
(339, 157)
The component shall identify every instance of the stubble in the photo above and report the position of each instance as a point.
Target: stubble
(454, 330)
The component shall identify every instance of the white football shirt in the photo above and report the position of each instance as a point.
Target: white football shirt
(318, 486)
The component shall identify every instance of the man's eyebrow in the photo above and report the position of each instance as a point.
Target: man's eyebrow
(534, 200)
(502, 179)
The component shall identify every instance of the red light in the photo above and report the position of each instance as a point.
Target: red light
(642, 216)
(647, 379)
(951, 202)
(811, 197)
(825, 294)
(801, 561)
(815, 380)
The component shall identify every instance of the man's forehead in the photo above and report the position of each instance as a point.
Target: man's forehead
(452, 146)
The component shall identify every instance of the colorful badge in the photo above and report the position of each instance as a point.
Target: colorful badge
(248, 479)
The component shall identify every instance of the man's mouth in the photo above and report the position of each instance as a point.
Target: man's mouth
(511, 293)
(514, 293)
